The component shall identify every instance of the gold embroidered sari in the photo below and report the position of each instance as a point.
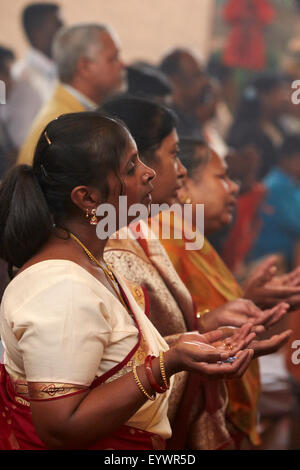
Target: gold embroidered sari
(211, 284)
(196, 407)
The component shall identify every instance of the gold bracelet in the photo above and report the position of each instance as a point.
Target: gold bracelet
(163, 370)
(140, 385)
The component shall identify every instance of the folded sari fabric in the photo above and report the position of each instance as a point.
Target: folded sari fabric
(211, 284)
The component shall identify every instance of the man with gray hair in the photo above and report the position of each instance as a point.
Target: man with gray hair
(89, 69)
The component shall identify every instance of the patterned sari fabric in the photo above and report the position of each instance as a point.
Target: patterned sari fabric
(211, 284)
(17, 430)
(196, 407)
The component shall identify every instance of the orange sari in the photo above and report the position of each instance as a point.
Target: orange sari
(211, 284)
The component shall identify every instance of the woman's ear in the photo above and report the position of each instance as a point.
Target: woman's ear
(85, 197)
(83, 67)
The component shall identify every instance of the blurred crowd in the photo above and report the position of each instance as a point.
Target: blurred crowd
(255, 129)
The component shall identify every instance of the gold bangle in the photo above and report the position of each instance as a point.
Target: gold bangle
(141, 387)
(163, 370)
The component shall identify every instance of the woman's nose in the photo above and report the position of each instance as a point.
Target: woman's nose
(181, 170)
(148, 174)
(234, 187)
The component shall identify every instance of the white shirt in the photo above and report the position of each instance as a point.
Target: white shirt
(35, 79)
(88, 104)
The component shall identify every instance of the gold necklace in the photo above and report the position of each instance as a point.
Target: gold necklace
(107, 271)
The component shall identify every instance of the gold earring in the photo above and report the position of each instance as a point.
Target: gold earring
(93, 220)
(187, 200)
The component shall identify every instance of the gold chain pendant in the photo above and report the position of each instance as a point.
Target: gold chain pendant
(108, 272)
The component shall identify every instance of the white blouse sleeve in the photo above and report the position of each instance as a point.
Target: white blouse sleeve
(65, 333)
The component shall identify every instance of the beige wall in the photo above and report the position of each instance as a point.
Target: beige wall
(147, 28)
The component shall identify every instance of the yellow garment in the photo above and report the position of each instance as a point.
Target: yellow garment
(62, 102)
(211, 284)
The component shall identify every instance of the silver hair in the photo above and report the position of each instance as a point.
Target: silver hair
(73, 42)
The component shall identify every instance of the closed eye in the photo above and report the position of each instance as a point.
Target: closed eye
(131, 168)
(132, 164)
(175, 153)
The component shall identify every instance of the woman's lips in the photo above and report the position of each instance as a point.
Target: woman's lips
(148, 197)
(231, 207)
(177, 188)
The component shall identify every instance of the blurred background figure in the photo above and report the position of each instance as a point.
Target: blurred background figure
(244, 166)
(90, 70)
(195, 97)
(280, 210)
(7, 151)
(35, 74)
(262, 104)
(224, 77)
(245, 46)
(256, 135)
(147, 81)
(187, 76)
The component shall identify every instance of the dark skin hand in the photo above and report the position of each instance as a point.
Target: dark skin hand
(264, 346)
(291, 279)
(270, 345)
(266, 289)
(227, 340)
(80, 420)
(239, 312)
(258, 324)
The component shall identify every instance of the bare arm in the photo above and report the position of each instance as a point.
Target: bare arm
(82, 419)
